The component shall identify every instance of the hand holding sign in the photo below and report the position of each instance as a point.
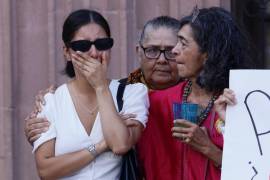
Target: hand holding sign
(247, 134)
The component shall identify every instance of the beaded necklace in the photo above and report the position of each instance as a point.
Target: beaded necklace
(206, 111)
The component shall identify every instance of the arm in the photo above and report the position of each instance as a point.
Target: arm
(52, 167)
(198, 139)
(119, 138)
(33, 126)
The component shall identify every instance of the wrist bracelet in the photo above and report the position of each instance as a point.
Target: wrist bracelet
(92, 150)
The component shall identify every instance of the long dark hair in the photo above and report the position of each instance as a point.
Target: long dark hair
(227, 47)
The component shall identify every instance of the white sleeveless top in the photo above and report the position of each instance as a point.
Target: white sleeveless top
(71, 136)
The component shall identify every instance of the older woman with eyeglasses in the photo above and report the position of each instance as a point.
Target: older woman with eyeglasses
(87, 137)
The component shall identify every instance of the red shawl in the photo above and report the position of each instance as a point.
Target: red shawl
(161, 156)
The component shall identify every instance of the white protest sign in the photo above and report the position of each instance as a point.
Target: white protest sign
(246, 153)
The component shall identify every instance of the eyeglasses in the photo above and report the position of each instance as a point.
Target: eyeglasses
(154, 52)
(84, 45)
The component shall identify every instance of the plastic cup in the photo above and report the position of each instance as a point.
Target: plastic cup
(187, 111)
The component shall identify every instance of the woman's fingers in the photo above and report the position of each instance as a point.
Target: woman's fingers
(83, 69)
(85, 59)
(183, 123)
(34, 127)
(36, 123)
(224, 100)
(187, 140)
(104, 59)
(36, 132)
(52, 89)
(127, 116)
(188, 132)
(229, 96)
(90, 68)
(30, 116)
(40, 125)
(183, 130)
(131, 122)
(86, 67)
(183, 137)
(178, 135)
(180, 129)
(39, 98)
(31, 140)
(228, 91)
(204, 130)
(129, 119)
(79, 62)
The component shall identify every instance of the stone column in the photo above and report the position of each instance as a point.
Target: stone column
(6, 107)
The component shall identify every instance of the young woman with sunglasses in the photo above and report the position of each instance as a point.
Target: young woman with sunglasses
(158, 71)
(87, 137)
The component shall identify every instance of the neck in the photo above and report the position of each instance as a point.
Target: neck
(196, 89)
(161, 86)
(82, 86)
(199, 95)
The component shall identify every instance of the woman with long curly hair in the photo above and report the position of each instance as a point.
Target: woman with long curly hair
(209, 44)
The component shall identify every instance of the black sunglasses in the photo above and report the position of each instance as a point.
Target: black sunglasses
(101, 44)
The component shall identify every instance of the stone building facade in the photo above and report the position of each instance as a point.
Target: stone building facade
(31, 58)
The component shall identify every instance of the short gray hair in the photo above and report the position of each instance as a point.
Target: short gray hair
(158, 22)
